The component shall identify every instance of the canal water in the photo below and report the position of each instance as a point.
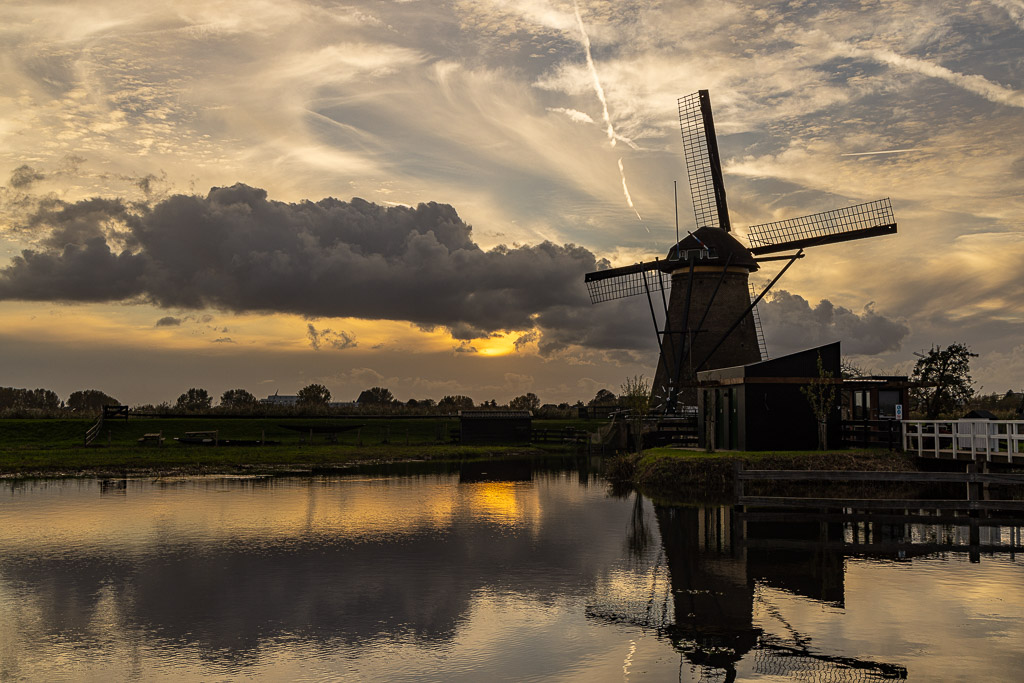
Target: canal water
(497, 572)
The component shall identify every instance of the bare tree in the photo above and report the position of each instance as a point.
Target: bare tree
(636, 398)
(821, 395)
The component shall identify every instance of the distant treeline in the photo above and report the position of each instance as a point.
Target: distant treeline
(45, 403)
(313, 399)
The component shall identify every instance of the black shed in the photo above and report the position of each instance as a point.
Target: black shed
(495, 426)
(760, 407)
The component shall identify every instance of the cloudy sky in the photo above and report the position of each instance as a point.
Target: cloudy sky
(407, 194)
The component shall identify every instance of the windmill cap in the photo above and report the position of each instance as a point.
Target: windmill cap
(718, 241)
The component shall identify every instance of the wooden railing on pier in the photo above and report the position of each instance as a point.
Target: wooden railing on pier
(988, 440)
(872, 434)
(974, 480)
(567, 435)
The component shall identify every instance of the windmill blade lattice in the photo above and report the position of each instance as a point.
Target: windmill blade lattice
(703, 165)
(618, 283)
(839, 225)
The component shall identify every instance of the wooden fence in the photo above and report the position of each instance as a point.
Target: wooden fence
(568, 435)
(872, 434)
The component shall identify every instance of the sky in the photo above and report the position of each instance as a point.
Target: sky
(407, 194)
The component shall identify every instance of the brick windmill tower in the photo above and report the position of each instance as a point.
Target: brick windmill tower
(702, 287)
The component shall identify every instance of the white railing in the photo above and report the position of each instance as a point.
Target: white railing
(979, 439)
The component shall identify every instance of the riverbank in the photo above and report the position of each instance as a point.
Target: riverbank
(676, 474)
(254, 460)
(55, 448)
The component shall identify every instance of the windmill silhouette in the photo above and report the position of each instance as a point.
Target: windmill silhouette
(709, 316)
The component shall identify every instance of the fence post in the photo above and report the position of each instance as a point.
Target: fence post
(737, 481)
(972, 485)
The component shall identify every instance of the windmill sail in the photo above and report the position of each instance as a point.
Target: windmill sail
(618, 283)
(704, 168)
(839, 225)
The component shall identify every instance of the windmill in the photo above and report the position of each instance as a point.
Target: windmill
(709, 315)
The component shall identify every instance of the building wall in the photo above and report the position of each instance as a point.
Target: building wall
(772, 412)
(731, 300)
(495, 430)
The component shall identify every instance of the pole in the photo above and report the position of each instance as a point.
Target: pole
(675, 198)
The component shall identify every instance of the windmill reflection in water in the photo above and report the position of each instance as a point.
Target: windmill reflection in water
(709, 574)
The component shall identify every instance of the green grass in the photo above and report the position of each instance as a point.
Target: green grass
(17, 434)
(206, 458)
(57, 446)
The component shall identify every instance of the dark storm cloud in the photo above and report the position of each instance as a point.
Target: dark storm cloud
(24, 176)
(339, 340)
(236, 250)
(168, 321)
(791, 324)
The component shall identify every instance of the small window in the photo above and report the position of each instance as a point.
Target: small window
(887, 401)
(862, 405)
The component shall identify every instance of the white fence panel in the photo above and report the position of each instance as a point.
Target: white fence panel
(981, 439)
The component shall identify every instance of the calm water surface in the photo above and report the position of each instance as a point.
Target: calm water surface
(509, 574)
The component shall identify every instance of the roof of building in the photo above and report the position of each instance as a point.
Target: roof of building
(799, 365)
(720, 242)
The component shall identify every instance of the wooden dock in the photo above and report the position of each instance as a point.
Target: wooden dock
(973, 479)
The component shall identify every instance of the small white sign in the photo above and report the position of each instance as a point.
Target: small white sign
(899, 411)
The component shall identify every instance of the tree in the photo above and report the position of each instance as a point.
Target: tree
(527, 401)
(603, 398)
(375, 396)
(850, 370)
(821, 394)
(237, 399)
(28, 399)
(313, 395)
(194, 400)
(636, 398)
(451, 404)
(90, 401)
(943, 380)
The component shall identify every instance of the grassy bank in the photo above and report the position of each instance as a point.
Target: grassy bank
(680, 474)
(125, 461)
(55, 447)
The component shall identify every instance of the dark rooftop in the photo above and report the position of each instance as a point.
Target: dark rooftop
(718, 241)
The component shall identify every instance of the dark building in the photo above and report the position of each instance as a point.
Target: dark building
(875, 397)
(710, 293)
(761, 406)
(495, 426)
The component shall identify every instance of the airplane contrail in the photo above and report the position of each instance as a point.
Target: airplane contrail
(613, 137)
(884, 151)
(625, 191)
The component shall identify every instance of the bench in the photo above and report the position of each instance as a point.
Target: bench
(201, 437)
(157, 438)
